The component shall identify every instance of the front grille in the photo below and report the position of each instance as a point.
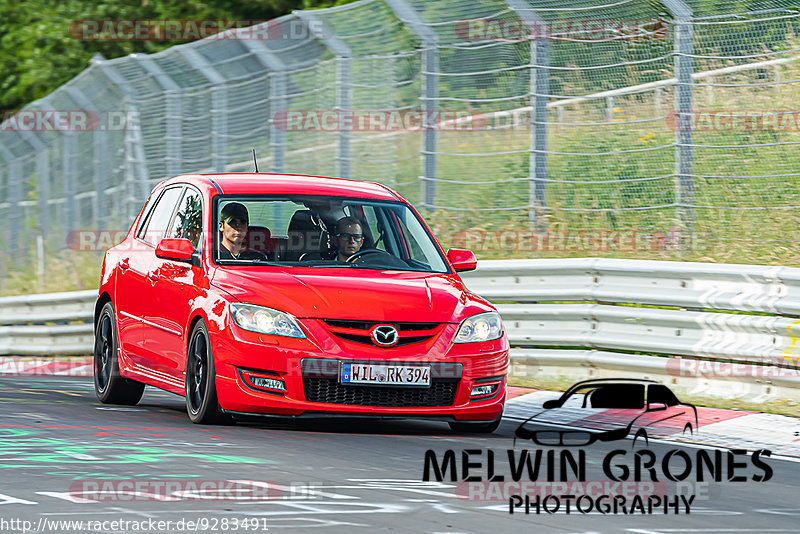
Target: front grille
(358, 331)
(368, 340)
(366, 325)
(442, 392)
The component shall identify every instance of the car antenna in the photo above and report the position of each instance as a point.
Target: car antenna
(255, 161)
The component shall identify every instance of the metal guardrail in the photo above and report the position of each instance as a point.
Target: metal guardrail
(47, 324)
(658, 318)
(624, 315)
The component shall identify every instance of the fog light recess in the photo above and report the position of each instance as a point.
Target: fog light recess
(484, 390)
(263, 382)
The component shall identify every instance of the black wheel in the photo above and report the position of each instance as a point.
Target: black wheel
(641, 434)
(475, 428)
(201, 391)
(109, 385)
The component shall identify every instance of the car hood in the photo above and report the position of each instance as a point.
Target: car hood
(357, 294)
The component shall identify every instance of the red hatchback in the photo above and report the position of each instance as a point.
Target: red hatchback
(269, 294)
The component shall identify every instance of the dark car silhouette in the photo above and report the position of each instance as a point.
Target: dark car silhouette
(609, 410)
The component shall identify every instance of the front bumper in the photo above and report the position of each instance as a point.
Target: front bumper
(309, 370)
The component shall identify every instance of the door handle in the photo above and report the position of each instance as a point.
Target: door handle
(124, 265)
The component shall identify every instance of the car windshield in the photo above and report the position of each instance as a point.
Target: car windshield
(326, 232)
(620, 396)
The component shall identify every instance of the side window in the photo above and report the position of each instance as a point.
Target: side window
(156, 225)
(370, 217)
(662, 394)
(188, 221)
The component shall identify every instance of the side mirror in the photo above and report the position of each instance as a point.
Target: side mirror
(652, 406)
(462, 260)
(552, 403)
(178, 249)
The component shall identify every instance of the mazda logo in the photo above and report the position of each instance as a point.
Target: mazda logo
(385, 335)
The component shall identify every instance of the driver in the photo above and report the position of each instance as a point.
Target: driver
(233, 222)
(349, 237)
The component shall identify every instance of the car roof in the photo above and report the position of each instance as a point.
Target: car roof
(288, 184)
(611, 381)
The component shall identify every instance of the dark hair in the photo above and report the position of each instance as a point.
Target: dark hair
(345, 221)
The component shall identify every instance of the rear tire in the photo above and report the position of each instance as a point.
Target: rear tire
(475, 428)
(201, 391)
(109, 386)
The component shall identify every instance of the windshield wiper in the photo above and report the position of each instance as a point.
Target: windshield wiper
(255, 261)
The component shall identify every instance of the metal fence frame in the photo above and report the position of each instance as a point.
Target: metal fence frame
(127, 166)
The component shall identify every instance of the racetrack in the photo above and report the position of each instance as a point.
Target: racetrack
(67, 457)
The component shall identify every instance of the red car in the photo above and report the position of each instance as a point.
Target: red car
(271, 294)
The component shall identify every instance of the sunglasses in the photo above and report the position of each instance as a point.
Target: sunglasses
(354, 237)
(236, 222)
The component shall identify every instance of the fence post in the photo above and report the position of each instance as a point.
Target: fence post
(68, 155)
(684, 155)
(324, 33)
(539, 91)
(14, 192)
(219, 106)
(135, 162)
(100, 153)
(277, 99)
(43, 189)
(429, 97)
(42, 179)
(172, 97)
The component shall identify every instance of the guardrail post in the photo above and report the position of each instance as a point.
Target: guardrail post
(277, 99)
(684, 155)
(323, 32)
(429, 97)
(219, 106)
(539, 91)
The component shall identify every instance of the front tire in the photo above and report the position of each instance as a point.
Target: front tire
(475, 428)
(201, 391)
(109, 385)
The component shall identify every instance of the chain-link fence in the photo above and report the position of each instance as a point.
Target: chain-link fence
(531, 126)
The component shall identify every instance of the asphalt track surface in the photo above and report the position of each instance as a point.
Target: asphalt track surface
(66, 457)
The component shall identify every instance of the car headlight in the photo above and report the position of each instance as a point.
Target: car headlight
(481, 327)
(265, 320)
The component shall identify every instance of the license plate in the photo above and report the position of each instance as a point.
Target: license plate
(389, 375)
